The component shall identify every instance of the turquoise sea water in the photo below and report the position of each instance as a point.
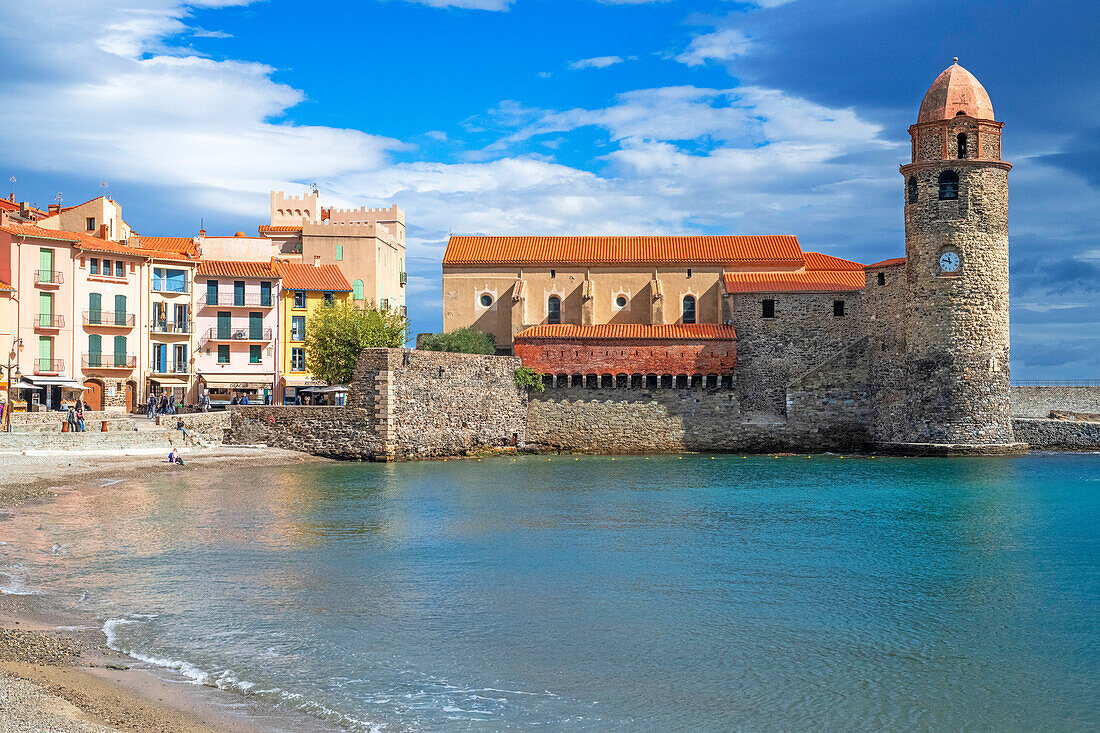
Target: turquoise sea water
(734, 593)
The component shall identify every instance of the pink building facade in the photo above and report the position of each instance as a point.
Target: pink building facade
(236, 326)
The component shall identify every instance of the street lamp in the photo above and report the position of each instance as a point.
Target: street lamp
(16, 347)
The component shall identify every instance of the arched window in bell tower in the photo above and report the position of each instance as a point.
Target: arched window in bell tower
(961, 140)
(912, 189)
(949, 185)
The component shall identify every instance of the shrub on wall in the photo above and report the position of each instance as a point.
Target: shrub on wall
(459, 341)
(529, 379)
(335, 334)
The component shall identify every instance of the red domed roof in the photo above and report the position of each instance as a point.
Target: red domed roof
(955, 91)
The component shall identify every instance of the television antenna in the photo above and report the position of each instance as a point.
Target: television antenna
(12, 179)
(106, 188)
(57, 198)
(316, 190)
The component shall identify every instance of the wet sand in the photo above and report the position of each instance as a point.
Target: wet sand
(68, 680)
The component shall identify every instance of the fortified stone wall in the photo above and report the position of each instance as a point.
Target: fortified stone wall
(1039, 401)
(209, 426)
(771, 352)
(1060, 435)
(628, 356)
(347, 433)
(830, 403)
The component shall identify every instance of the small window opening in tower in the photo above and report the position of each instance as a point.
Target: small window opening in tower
(553, 273)
(961, 139)
(949, 185)
(838, 308)
(912, 189)
(767, 309)
(689, 273)
(960, 113)
(882, 278)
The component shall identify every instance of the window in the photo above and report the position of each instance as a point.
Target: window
(93, 266)
(90, 223)
(255, 352)
(106, 268)
(912, 189)
(357, 290)
(767, 309)
(95, 350)
(120, 351)
(211, 292)
(339, 253)
(949, 185)
(486, 300)
(265, 294)
(553, 273)
(553, 309)
(223, 353)
(689, 309)
(238, 292)
(297, 328)
(330, 298)
(689, 273)
(255, 326)
(621, 301)
(882, 278)
(299, 299)
(961, 142)
(838, 308)
(297, 360)
(172, 281)
(120, 268)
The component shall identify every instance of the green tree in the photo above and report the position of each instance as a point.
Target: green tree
(458, 341)
(335, 334)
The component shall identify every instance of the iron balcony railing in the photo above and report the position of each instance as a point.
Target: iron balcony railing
(170, 288)
(171, 326)
(108, 361)
(48, 320)
(237, 334)
(229, 300)
(48, 366)
(48, 277)
(109, 318)
(169, 367)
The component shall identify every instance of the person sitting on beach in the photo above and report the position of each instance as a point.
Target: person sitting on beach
(179, 426)
(175, 457)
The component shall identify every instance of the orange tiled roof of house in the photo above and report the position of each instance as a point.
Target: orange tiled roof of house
(816, 261)
(782, 250)
(615, 331)
(794, 282)
(886, 263)
(235, 268)
(83, 241)
(280, 228)
(298, 276)
(178, 245)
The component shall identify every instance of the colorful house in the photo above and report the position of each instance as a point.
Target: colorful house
(172, 337)
(304, 289)
(236, 325)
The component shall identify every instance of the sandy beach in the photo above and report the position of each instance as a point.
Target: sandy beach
(68, 680)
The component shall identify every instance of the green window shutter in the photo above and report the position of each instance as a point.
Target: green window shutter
(265, 294)
(95, 307)
(45, 309)
(223, 353)
(339, 253)
(254, 354)
(95, 350)
(223, 324)
(120, 310)
(255, 325)
(357, 290)
(45, 259)
(45, 347)
(120, 351)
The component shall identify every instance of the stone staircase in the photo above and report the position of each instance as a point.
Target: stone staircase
(122, 435)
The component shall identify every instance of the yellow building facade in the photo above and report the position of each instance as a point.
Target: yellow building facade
(305, 288)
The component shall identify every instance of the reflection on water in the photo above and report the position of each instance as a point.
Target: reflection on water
(637, 594)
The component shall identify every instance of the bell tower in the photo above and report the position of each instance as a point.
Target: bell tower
(956, 274)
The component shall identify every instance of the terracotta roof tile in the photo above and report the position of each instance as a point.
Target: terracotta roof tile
(81, 240)
(615, 331)
(794, 282)
(815, 261)
(178, 245)
(298, 276)
(4, 287)
(886, 263)
(280, 228)
(235, 268)
(646, 250)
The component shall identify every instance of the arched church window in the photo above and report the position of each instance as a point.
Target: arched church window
(961, 140)
(912, 189)
(553, 309)
(689, 309)
(949, 185)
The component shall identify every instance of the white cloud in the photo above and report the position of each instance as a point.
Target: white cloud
(724, 44)
(599, 62)
(467, 4)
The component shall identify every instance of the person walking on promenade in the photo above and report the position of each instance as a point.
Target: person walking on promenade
(71, 420)
(80, 416)
(244, 399)
(162, 408)
(151, 406)
(172, 404)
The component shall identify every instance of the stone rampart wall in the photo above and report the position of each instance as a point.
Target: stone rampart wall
(209, 426)
(1060, 435)
(335, 432)
(1028, 401)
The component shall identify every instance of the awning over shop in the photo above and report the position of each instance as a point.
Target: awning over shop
(22, 384)
(169, 381)
(227, 380)
(38, 382)
(302, 382)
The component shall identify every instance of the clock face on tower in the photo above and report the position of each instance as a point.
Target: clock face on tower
(949, 261)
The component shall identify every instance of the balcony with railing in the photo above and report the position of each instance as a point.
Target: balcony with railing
(237, 334)
(231, 300)
(404, 278)
(49, 366)
(48, 322)
(109, 319)
(167, 287)
(172, 328)
(108, 361)
(167, 366)
(48, 278)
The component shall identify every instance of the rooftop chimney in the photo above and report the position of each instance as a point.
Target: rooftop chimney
(202, 232)
(316, 260)
(11, 197)
(102, 234)
(53, 208)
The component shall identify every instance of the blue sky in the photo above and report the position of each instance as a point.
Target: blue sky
(563, 117)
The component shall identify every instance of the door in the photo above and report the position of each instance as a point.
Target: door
(160, 321)
(238, 292)
(160, 358)
(180, 358)
(211, 292)
(45, 310)
(93, 395)
(95, 350)
(223, 324)
(131, 393)
(45, 353)
(120, 310)
(255, 326)
(95, 308)
(181, 319)
(120, 352)
(45, 265)
(265, 294)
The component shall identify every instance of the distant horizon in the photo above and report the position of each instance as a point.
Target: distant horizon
(709, 117)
